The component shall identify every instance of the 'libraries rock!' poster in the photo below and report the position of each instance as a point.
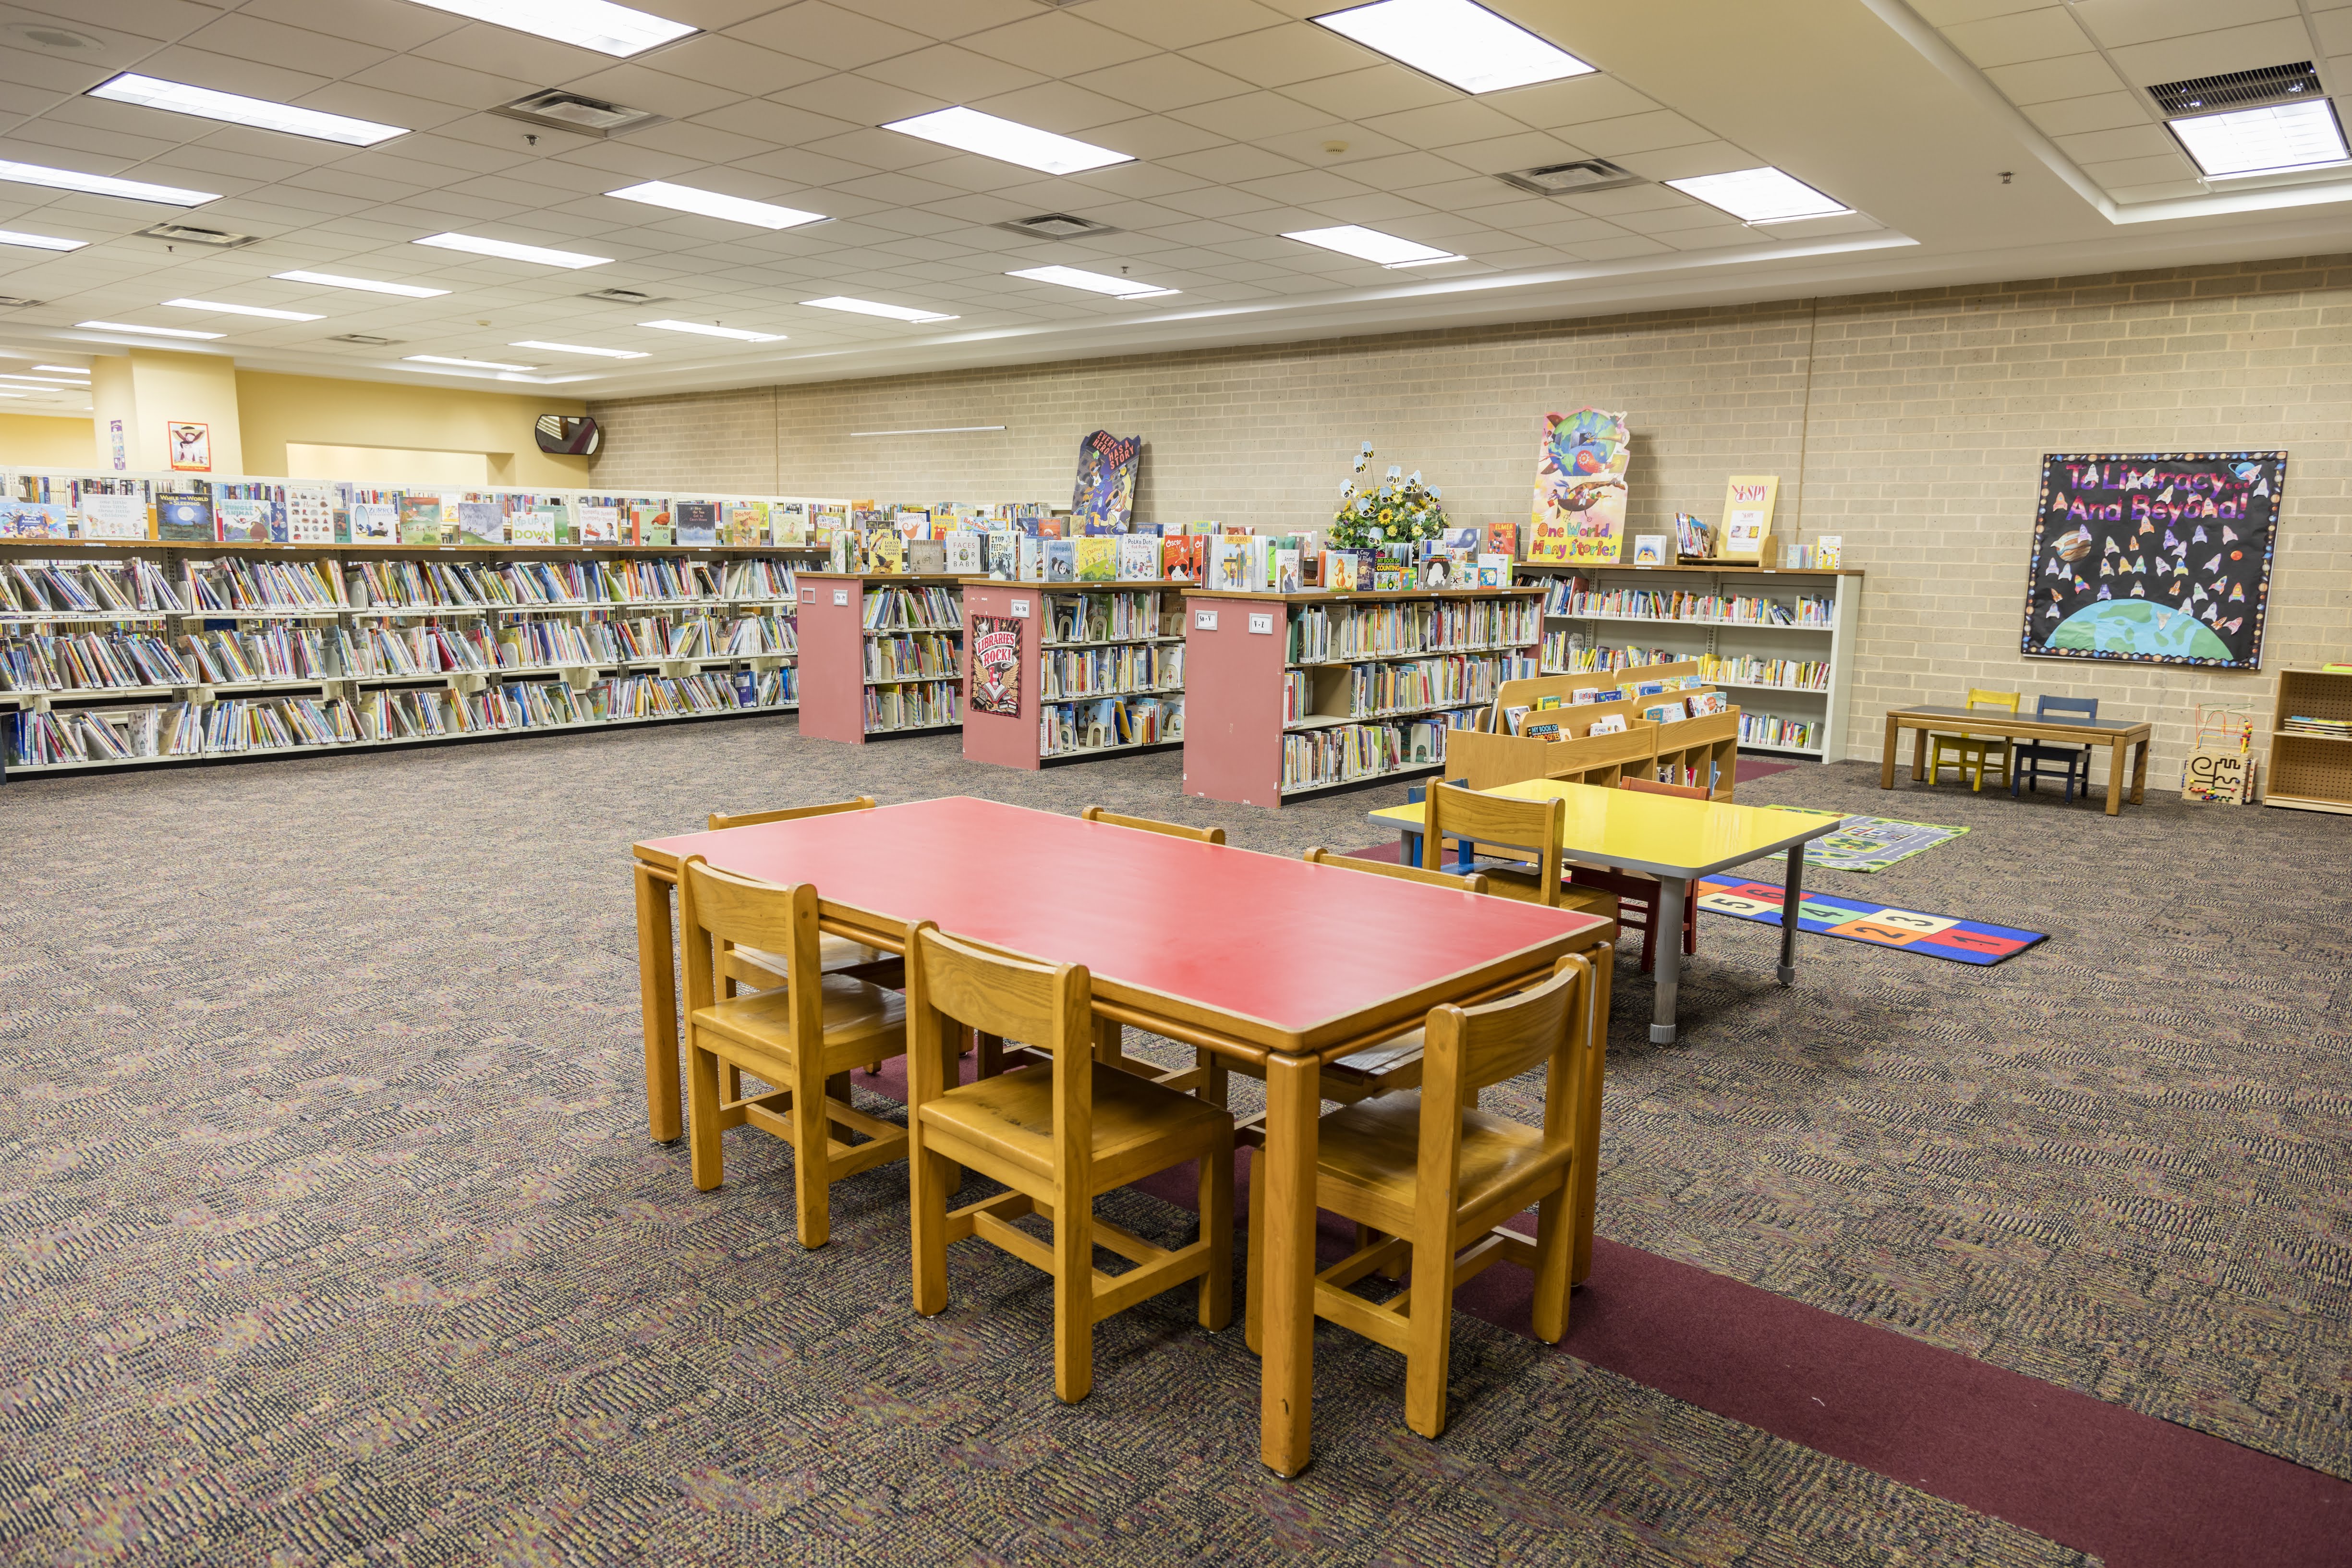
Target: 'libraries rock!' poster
(2154, 558)
(996, 665)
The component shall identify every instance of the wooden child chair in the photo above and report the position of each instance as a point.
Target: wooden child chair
(1427, 1177)
(1502, 821)
(1111, 1039)
(2073, 762)
(761, 971)
(802, 1037)
(1637, 895)
(1056, 1138)
(1971, 755)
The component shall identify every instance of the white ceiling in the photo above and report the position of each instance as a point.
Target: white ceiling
(1977, 139)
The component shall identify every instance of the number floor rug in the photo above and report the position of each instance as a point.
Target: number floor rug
(1866, 920)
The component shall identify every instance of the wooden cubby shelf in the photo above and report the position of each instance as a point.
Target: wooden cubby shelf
(2311, 772)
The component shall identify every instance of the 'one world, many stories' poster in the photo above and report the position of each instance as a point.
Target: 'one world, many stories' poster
(2155, 558)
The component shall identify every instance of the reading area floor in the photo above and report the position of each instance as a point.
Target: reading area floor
(332, 1232)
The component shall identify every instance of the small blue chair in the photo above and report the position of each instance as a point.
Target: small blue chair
(2073, 762)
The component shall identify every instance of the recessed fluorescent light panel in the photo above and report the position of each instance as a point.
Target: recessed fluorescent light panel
(62, 369)
(41, 380)
(1761, 196)
(1008, 140)
(507, 251)
(1371, 245)
(1457, 42)
(103, 185)
(705, 329)
(335, 280)
(577, 349)
(2259, 141)
(241, 309)
(711, 204)
(1093, 282)
(869, 308)
(150, 331)
(39, 241)
(238, 110)
(464, 363)
(608, 29)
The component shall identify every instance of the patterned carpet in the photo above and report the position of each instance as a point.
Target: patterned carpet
(331, 1233)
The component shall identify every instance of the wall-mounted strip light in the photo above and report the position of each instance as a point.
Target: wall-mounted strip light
(934, 430)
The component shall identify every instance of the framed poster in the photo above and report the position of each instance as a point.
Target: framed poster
(1104, 496)
(1580, 506)
(2154, 558)
(995, 686)
(190, 444)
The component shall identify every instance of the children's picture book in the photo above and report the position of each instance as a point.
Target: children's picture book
(1648, 688)
(1339, 571)
(1391, 576)
(927, 557)
(482, 519)
(1028, 558)
(36, 519)
(1580, 503)
(310, 515)
(1828, 549)
(1229, 564)
(1061, 560)
(1748, 516)
(183, 518)
(1105, 494)
(1097, 558)
(827, 519)
(597, 519)
(116, 513)
(1539, 727)
(1704, 702)
(996, 665)
(1139, 557)
(999, 553)
(373, 516)
(1182, 556)
(1607, 724)
(962, 548)
(788, 523)
(1493, 571)
(1650, 550)
(1666, 712)
(1285, 572)
(697, 521)
(744, 523)
(420, 516)
(1502, 539)
(241, 521)
(1584, 694)
(648, 522)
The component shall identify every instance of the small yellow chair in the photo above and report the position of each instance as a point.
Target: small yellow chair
(1971, 755)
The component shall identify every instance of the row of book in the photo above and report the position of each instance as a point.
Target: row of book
(1105, 671)
(1417, 685)
(1786, 674)
(895, 609)
(2306, 724)
(1566, 653)
(29, 589)
(917, 706)
(1313, 758)
(1566, 597)
(1065, 728)
(1318, 632)
(1781, 734)
(912, 656)
(1107, 618)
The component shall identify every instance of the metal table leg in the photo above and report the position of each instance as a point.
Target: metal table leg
(1791, 901)
(1666, 935)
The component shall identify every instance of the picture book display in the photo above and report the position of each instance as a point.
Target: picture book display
(996, 663)
(1748, 516)
(1580, 503)
(1105, 495)
(2154, 558)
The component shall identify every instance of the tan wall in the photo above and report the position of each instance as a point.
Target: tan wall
(173, 387)
(320, 411)
(39, 440)
(1911, 425)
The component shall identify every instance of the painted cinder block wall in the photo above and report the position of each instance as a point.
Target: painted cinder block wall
(1911, 424)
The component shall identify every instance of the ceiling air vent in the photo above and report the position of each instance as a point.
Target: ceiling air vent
(1057, 225)
(626, 296)
(1570, 179)
(2238, 90)
(361, 338)
(189, 234)
(557, 109)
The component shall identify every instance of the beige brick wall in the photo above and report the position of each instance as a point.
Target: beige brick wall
(1911, 424)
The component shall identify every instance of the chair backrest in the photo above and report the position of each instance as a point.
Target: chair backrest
(1533, 826)
(1468, 1048)
(1047, 1005)
(2005, 700)
(790, 813)
(1652, 787)
(718, 910)
(1146, 825)
(1319, 856)
(2077, 707)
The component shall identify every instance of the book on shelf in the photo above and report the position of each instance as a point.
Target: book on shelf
(1029, 558)
(1229, 563)
(963, 553)
(1061, 560)
(743, 523)
(482, 519)
(1139, 557)
(696, 522)
(788, 523)
(113, 508)
(1607, 724)
(926, 557)
(1097, 558)
(420, 516)
(645, 520)
(598, 520)
(184, 518)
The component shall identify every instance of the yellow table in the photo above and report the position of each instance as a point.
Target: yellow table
(1666, 836)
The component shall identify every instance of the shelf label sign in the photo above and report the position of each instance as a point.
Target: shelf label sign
(1261, 625)
(1019, 609)
(808, 596)
(841, 597)
(1204, 620)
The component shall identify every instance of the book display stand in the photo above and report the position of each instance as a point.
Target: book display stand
(133, 655)
(882, 654)
(1702, 751)
(1288, 693)
(1086, 669)
(1780, 640)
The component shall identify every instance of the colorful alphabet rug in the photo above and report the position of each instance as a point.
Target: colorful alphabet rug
(1863, 920)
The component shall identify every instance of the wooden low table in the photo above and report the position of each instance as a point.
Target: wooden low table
(1257, 958)
(2114, 734)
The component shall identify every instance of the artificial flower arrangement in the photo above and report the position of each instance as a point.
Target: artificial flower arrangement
(1399, 511)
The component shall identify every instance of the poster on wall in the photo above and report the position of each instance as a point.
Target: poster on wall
(1104, 496)
(995, 684)
(191, 446)
(2154, 558)
(1580, 506)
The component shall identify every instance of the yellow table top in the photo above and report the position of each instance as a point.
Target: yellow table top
(1660, 833)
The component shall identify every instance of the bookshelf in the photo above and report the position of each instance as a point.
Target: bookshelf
(882, 654)
(1101, 670)
(1703, 750)
(1287, 694)
(135, 654)
(1791, 677)
(2312, 770)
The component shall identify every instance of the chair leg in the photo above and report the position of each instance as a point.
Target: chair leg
(838, 1087)
(1428, 1336)
(1254, 1260)
(1074, 1296)
(930, 1222)
(812, 1161)
(708, 1156)
(1213, 1088)
(1555, 1252)
(989, 1060)
(1216, 1200)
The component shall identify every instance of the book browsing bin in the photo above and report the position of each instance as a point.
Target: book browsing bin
(2311, 764)
(1782, 640)
(882, 654)
(1702, 751)
(1288, 693)
(134, 655)
(1099, 668)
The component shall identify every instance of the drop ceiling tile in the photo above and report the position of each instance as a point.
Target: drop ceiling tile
(772, 123)
(2163, 190)
(704, 143)
(1400, 171)
(1554, 104)
(735, 64)
(1622, 249)
(897, 190)
(18, 98)
(860, 101)
(1445, 124)
(509, 52)
(213, 159)
(1161, 83)
(878, 149)
(2141, 140)
(1687, 163)
(1458, 196)
(2140, 171)
(1066, 110)
(1570, 232)
(1138, 180)
(627, 161)
(1233, 164)
(1380, 209)
(2100, 112)
(362, 103)
(945, 18)
(451, 153)
(1253, 116)
(969, 172)
(1060, 43)
(2041, 34)
(443, 83)
(318, 52)
(2039, 82)
(1677, 220)
(38, 138)
(229, 73)
(1639, 134)
(1379, 90)
(1279, 56)
(1520, 150)
(2335, 30)
(1313, 148)
(957, 75)
(1215, 201)
(829, 35)
(2123, 22)
(1623, 203)
(1183, 26)
(1819, 227)
(1154, 136)
(2211, 53)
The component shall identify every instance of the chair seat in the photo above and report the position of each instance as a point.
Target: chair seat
(1367, 1161)
(757, 966)
(1012, 1117)
(863, 1022)
(1525, 884)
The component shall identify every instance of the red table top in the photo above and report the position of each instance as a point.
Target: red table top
(1305, 952)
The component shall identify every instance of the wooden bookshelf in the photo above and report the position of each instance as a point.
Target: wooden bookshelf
(323, 647)
(1289, 694)
(1683, 751)
(2311, 773)
(1137, 660)
(847, 671)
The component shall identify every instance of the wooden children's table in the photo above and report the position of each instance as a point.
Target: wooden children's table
(1259, 958)
(2114, 734)
(1666, 836)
